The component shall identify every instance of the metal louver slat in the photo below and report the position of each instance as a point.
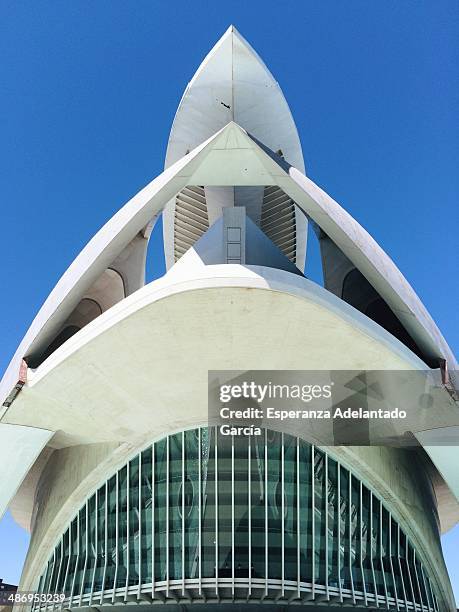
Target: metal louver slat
(191, 220)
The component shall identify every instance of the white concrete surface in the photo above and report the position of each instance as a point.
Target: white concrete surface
(19, 448)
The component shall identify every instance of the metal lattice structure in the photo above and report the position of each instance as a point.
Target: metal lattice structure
(268, 518)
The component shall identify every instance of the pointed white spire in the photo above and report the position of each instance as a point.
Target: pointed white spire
(234, 84)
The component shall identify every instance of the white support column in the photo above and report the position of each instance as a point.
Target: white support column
(338, 471)
(400, 568)
(115, 579)
(83, 576)
(50, 575)
(59, 571)
(362, 573)
(380, 552)
(375, 586)
(167, 512)
(216, 509)
(153, 521)
(96, 546)
(326, 523)
(75, 569)
(183, 514)
(434, 597)
(283, 515)
(266, 516)
(350, 535)
(68, 563)
(128, 542)
(390, 558)
(249, 506)
(429, 606)
(200, 510)
(139, 584)
(298, 521)
(313, 523)
(105, 544)
(421, 601)
(232, 518)
(407, 558)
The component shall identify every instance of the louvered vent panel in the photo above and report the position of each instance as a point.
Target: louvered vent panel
(278, 220)
(191, 220)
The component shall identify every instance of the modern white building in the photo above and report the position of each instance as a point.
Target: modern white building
(131, 498)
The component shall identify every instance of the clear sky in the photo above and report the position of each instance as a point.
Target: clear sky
(88, 91)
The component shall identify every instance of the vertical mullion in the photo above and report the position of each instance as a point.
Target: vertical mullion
(105, 543)
(77, 558)
(36, 604)
(86, 552)
(200, 509)
(43, 585)
(400, 567)
(57, 587)
(128, 552)
(375, 588)
(117, 479)
(266, 515)
(338, 468)
(432, 596)
(325, 489)
(216, 508)
(417, 579)
(249, 499)
(283, 514)
(45, 581)
(429, 607)
(350, 535)
(407, 559)
(429, 593)
(153, 483)
(390, 559)
(41, 582)
(183, 513)
(381, 531)
(362, 573)
(139, 500)
(167, 512)
(49, 573)
(47, 576)
(96, 545)
(298, 526)
(232, 516)
(49, 582)
(58, 576)
(313, 523)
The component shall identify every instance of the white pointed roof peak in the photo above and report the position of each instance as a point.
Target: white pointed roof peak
(234, 84)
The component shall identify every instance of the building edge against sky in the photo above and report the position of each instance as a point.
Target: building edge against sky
(130, 498)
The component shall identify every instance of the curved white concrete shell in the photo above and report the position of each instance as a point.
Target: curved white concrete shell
(234, 85)
(171, 316)
(19, 447)
(230, 157)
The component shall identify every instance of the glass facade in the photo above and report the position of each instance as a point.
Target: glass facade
(206, 517)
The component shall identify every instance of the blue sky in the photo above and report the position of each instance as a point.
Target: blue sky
(89, 90)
